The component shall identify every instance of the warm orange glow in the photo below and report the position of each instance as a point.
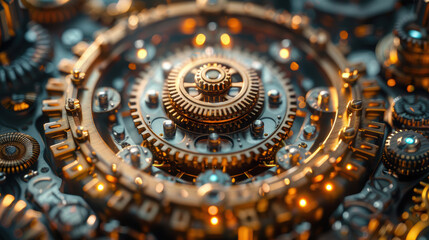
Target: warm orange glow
(393, 57)
(142, 53)
(391, 82)
(329, 187)
(200, 39)
(7, 200)
(234, 25)
(188, 26)
(410, 88)
(20, 106)
(100, 187)
(213, 210)
(79, 167)
(225, 39)
(344, 35)
(349, 167)
(214, 220)
(284, 53)
(132, 66)
(302, 202)
(294, 66)
(296, 20)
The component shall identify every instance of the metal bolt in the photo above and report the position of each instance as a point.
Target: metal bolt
(274, 96)
(356, 104)
(135, 156)
(169, 128)
(350, 75)
(309, 131)
(258, 128)
(214, 142)
(152, 97)
(103, 99)
(323, 99)
(72, 104)
(77, 76)
(119, 132)
(81, 133)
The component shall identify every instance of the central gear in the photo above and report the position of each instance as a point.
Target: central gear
(200, 111)
(213, 78)
(213, 93)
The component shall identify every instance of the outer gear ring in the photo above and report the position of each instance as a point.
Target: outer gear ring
(213, 111)
(18, 152)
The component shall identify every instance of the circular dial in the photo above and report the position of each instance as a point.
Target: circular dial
(195, 110)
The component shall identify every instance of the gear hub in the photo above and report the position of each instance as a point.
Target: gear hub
(213, 92)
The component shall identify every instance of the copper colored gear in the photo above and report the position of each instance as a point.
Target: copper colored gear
(218, 85)
(166, 151)
(18, 152)
(53, 11)
(212, 109)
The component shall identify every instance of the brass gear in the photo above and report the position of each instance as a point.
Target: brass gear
(212, 106)
(421, 198)
(218, 82)
(18, 152)
(53, 11)
(164, 150)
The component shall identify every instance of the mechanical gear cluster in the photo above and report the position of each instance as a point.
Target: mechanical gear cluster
(217, 119)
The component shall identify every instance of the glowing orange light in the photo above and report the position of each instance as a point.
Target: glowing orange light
(410, 88)
(79, 167)
(132, 66)
(296, 20)
(213, 210)
(234, 25)
(142, 53)
(200, 39)
(329, 187)
(294, 66)
(188, 26)
(302, 202)
(225, 39)
(100, 187)
(344, 35)
(214, 220)
(391, 82)
(393, 56)
(349, 167)
(284, 53)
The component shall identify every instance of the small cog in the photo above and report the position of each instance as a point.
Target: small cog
(411, 111)
(18, 152)
(406, 153)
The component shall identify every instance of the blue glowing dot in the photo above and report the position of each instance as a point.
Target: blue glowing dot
(415, 34)
(213, 178)
(409, 140)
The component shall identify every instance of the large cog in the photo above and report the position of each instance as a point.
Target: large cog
(238, 112)
(214, 106)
